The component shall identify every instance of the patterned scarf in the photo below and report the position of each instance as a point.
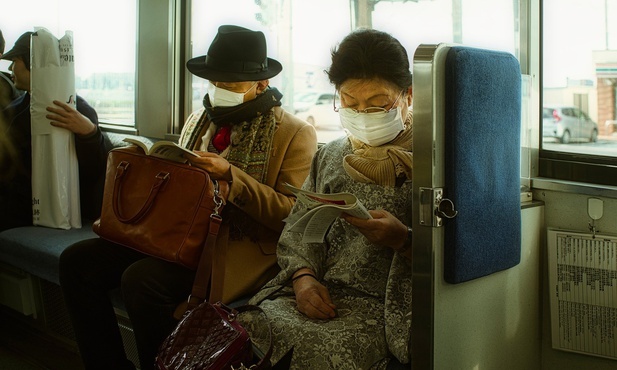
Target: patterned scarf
(250, 138)
(384, 164)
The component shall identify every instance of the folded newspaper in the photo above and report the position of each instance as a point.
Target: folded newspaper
(322, 210)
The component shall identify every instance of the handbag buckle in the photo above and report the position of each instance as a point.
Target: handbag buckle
(162, 175)
(231, 313)
(218, 201)
(122, 166)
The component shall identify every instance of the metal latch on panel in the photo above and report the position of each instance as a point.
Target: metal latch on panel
(434, 207)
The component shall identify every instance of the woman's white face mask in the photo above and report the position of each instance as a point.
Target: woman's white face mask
(374, 129)
(220, 97)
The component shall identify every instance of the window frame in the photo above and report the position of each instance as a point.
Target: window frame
(165, 110)
(565, 167)
(157, 60)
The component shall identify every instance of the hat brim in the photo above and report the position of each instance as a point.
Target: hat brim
(197, 66)
(16, 52)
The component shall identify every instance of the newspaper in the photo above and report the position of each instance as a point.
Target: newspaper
(323, 209)
(55, 166)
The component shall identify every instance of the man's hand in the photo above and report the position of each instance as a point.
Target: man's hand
(64, 116)
(214, 164)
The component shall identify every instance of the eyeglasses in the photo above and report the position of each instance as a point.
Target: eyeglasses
(368, 110)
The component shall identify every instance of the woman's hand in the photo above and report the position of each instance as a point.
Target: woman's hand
(68, 118)
(313, 298)
(214, 164)
(383, 229)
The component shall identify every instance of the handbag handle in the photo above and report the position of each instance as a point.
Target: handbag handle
(266, 357)
(159, 180)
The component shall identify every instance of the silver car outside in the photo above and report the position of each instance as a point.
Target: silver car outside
(567, 123)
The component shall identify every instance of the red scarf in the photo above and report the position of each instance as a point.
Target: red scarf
(222, 138)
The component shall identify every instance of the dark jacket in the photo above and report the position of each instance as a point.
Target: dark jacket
(16, 177)
(8, 92)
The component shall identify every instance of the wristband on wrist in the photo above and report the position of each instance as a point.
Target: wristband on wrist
(303, 275)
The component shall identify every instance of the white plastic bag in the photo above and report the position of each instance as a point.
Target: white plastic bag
(55, 171)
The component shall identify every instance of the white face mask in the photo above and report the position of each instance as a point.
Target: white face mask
(220, 97)
(373, 129)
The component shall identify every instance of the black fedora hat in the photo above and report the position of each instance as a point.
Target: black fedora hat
(236, 54)
(20, 49)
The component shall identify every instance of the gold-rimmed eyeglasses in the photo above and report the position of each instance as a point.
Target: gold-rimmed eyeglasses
(368, 110)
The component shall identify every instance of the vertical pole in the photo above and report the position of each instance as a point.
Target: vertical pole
(457, 21)
(363, 14)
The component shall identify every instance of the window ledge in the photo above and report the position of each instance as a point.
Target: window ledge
(543, 183)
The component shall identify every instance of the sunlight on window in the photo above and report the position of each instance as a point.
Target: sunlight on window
(580, 77)
(104, 36)
(318, 25)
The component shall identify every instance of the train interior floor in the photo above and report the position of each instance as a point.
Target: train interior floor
(24, 347)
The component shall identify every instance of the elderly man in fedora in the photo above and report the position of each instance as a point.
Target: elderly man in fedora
(243, 135)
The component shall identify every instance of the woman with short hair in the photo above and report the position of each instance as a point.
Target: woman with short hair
(348, 305)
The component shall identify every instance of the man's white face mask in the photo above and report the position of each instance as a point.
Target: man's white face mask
(374, 129)
(220, 97)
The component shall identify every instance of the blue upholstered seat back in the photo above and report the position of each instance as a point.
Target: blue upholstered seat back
(482, 162)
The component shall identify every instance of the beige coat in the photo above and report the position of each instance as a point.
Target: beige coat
(246, 265)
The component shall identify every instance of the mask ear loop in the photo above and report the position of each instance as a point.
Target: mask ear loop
(251, 88)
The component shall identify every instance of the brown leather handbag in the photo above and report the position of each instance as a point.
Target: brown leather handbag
(159, 207)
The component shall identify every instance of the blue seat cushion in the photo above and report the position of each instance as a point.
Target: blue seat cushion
(482, 154)
(37, 249)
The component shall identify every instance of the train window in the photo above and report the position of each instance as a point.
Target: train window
(104, 37)
(579, 91)
(300, 34)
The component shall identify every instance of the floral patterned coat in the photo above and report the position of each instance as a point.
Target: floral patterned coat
(370, 285)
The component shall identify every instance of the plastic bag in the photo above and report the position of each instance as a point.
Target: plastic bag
(55, 171)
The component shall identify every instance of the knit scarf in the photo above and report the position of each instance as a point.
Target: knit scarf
(252, 126)
(384, 164)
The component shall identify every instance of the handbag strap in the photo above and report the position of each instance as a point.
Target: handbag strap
(204, 268)
(266, 358)
(254, 307)
(218, 263)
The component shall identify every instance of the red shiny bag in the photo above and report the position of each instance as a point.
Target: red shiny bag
(210, 338)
